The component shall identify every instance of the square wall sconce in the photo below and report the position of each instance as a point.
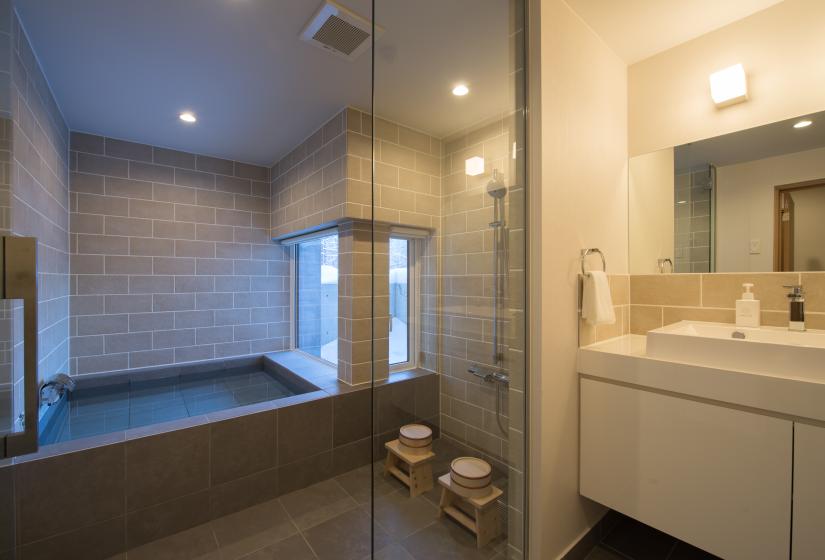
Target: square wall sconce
(474, 166)
(729, 86)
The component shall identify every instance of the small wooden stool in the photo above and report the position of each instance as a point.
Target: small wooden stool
(485, 520)
(419, 475)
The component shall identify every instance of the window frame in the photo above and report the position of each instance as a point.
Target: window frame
(293, 244)
(413, 303)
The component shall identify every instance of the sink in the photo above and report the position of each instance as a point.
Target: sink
(769, 350)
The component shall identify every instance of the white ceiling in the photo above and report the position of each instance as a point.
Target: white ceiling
(126, 68)
(761, 142)
(638, 29)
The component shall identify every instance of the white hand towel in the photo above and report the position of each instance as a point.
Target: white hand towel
(597, 305)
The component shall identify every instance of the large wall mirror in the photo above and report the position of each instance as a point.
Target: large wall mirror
(749, 201)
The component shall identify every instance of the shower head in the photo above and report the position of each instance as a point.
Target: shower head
(495, 186)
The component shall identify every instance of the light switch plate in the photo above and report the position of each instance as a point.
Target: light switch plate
(756, 246)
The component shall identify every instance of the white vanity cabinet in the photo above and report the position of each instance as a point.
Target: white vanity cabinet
(717, 477)
(809, 492)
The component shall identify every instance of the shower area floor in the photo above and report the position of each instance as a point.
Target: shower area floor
(330, 520)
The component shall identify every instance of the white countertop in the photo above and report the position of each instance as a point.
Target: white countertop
(623, 359)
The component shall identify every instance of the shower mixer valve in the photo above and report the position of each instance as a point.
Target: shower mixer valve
(489, 375)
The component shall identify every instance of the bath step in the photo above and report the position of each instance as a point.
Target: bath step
(480, 515)
(419, 474)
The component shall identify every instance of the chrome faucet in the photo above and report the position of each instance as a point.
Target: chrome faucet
(56, 387)
(796, 300)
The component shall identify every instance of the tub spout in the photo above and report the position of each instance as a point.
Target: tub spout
(56, 387)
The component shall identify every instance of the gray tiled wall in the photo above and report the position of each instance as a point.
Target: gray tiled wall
(171, 258)
(40, 198)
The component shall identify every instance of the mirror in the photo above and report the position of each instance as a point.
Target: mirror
(749, 201)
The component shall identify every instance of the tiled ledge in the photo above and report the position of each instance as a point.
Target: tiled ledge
(325, 376)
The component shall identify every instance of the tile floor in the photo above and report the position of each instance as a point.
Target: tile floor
(331, 521)
(631, 540)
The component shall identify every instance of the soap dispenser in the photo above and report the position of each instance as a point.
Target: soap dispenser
(747, 309)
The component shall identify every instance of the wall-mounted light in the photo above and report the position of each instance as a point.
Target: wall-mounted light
(729, 86)
(474, 166)
(803, 124)
(188, 117)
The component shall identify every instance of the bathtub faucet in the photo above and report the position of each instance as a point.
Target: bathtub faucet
(56, 387)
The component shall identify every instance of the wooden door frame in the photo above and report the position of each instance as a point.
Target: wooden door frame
(778, 190)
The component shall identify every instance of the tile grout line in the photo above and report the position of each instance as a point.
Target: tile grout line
(298, 529)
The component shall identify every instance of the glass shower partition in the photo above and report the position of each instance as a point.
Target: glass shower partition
(448, 251)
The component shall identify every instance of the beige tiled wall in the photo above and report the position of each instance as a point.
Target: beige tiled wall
(658, 300)
(171, 258)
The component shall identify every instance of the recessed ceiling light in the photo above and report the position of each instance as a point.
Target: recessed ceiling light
(188, 116)
(682, 202)
(803, 124)
(461, 90)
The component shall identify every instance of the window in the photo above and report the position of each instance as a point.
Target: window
(316, 297)
(403, 306)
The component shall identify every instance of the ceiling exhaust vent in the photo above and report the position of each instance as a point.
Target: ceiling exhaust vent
(339, 31)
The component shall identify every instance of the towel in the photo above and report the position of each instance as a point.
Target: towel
(597, 305)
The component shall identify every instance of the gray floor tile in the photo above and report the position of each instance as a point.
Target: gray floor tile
(446, 540)
(392, 552)
(197, 543)
(346, 537)
(357, 483)
(292, 548)
(252, 529)
(317, 503)
(401, 516)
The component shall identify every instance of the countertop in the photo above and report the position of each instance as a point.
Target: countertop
(623, 360)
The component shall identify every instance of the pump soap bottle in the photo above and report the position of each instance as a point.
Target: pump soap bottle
(747, 309)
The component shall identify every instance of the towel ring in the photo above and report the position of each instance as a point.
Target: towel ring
(586, 252)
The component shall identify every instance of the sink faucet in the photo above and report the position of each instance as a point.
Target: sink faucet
(796, 299)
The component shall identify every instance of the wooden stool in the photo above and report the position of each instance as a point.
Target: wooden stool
(485, 520)
(419, 475)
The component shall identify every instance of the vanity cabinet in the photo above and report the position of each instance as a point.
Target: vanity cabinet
(716, 477)
(809, 492)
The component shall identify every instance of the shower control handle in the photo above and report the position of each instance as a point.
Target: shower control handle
(489, 376)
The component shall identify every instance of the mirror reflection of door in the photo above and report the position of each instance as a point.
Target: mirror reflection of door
(800, 229)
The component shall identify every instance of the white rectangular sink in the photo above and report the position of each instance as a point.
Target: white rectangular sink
(769, 350)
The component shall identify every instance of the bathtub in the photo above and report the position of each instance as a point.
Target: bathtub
(102, 404)
(157, 460)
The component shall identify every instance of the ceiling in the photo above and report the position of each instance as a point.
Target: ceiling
(126, 69)
(638, 29)
(773, 139)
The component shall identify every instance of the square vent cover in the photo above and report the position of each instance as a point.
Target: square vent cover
(339, 31)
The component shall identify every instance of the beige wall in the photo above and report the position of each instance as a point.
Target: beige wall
(651, 192)
(581, 201)
(745, 206)
(669, 96)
